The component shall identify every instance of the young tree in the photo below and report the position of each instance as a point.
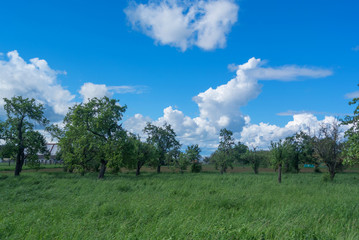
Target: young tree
(93, 133)
(182, 162)
(278, 159)
(223, 156)
(253, 159)
(18, 130)
(164, 139)
(193, 155)
(351, 147)
(328, 146)
(136, 153)
(240, 153)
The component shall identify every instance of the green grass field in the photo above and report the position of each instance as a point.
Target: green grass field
(6, 167)
(58, 205)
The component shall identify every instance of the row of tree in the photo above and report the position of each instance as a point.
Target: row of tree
(92, 139)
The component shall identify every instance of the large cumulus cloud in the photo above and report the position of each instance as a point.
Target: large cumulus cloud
(220, 107)
(201, 23)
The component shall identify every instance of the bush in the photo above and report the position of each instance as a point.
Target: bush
(196, 167)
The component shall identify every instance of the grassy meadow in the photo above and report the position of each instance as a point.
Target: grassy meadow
(59, 205)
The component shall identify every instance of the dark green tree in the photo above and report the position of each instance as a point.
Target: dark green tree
(23, 114)
(239, 152)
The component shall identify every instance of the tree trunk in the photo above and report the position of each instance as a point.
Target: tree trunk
(19, 162)
(101, 174)
(159, 169)
(138, 168)
(280, 173)
(17, 168)
(332, 171)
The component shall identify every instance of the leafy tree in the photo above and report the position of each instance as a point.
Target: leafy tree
(351, 148)
(278, 157)
(182, 162)
(253, 158)
(223, 156)
(239, 152)
(292, 153)
(93, 134)
(164, 139)
(328, 147)
(193, 155)
(306, 149)
(18, 130)
(137, 153)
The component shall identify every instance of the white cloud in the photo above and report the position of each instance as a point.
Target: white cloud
(90, 90)
(185, 23)
(356, 49)
(260, 135)
(352, 95)
(220, 107)
(33, 80)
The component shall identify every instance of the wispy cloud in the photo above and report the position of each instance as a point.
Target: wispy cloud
(292, 113)
(356, 49)
(90, 90)
(352, 95)
(128, 89)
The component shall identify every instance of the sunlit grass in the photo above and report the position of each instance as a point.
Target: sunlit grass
(178, 206)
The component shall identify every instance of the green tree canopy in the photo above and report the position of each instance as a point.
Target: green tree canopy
(18, 130)
(164, 139)
(223, 156)
(93, 135)
(351, 149)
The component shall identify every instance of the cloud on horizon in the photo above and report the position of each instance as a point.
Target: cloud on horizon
(183, 24)
(33, 79)
(36, 79)
(220, 107)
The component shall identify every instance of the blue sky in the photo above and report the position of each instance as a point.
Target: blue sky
(165, 63)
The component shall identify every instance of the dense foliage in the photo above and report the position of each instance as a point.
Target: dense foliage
(22, 142)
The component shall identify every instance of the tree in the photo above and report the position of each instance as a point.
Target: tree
(253, 159)
(193, 155)
(164, 139)
(351, 148)
(239, 152)
(137, 153)
(18, 130)
(278, 159)
(182, 162)
(223, 156)
(93, 135)
(328, 146)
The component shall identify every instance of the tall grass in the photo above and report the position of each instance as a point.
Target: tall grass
(178, 206)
